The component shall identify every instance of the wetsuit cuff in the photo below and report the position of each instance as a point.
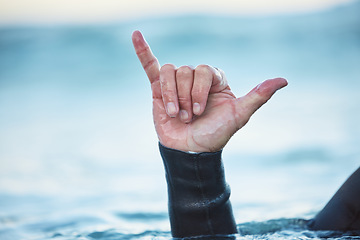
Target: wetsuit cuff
(198, 193)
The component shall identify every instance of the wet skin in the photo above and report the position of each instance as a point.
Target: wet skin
(194, 109)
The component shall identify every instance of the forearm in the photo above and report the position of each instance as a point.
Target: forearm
(198, 194)
(342, 212)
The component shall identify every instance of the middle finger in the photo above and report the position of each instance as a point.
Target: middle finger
(184, 82)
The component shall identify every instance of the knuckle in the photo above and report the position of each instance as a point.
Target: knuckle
(203, 68)
(149, 64)
(184, 71)
(198, 94)
(263, 91)
(167, 67)
(184, 101)
(169, 94)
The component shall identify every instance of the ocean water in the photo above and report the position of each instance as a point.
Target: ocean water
(78, 152)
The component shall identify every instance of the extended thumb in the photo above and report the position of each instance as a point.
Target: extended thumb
(248, 104)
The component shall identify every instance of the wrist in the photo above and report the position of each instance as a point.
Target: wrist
(185, 151)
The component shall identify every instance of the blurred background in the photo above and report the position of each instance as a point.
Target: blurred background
(78, 153)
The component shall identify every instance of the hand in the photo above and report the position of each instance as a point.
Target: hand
(194, 109)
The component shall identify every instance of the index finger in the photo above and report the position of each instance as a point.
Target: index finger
(146, 57)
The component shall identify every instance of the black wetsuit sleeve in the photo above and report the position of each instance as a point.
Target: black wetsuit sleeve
(199, 202)
(342, 212)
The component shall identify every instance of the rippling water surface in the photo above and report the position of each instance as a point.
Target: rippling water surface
(78, 152)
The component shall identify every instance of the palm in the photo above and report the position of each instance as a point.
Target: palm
(207, 133)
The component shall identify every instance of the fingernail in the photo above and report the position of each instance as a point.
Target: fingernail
(196, 108)
(171, 109)
(184, 115)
